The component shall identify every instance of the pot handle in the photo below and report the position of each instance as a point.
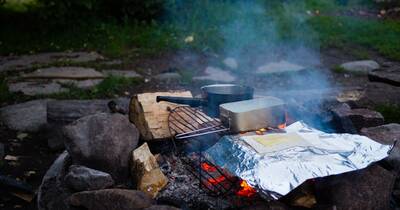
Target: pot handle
(193, 102)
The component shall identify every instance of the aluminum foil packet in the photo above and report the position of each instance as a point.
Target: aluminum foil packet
(275, 164)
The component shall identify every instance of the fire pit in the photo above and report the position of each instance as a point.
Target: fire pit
(218, 174)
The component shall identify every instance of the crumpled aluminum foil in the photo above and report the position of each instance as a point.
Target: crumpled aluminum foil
(276, 173)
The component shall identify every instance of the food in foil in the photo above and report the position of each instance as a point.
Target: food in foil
(276, 163)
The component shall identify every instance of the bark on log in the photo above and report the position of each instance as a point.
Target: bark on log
(150, 117)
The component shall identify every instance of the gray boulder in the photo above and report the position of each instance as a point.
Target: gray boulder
(363, 189)
(103, 142)
(28, 117)
(53, 193)
(111, 199)
(81, 178)
(387, 134)
(360, 67)
(63, 112)
(66, 111)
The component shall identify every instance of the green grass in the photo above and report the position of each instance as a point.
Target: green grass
(210, 22)
(391, 113)
(380, 35)
(338, 69)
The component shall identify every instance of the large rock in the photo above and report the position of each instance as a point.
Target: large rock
(387, 134)
(390, 76)
(64, 73)
(148, 175)
(360, 67)
(67, 111)
(103, 142)
(377, 94)
(29, 116)
(81, 178)
(111, 199)
(29, 61)
(53, 193)
(63, 112)
(370, 188)
(216, 74)
(353, 120)
(33, 88)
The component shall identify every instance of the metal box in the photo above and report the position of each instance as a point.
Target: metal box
(253, 114)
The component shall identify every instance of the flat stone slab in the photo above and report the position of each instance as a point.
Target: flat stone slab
(169, 76)
(122, 73)
(83, 84)
(29, 61)
(360, 67)
(389, 76)
(386, 134)
(29, 116)
(353, 120)
(362, 189)
(216, 74)
(33, 88)
(279, 67)
(64, 73)
(230, 63)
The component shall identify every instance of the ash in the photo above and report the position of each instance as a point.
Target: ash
(183, 187)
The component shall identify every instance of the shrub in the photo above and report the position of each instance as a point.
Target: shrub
(70, 9)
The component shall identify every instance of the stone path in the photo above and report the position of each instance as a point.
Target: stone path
(50, 80)
(64, 73)
(29, 61)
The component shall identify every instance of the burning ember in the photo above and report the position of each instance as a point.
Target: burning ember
(282, 126)
(207, 167)
(217, 180)
(245, 190)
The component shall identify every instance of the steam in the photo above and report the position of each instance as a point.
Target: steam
(258, 33)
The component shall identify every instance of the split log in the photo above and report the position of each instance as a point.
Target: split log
(145, 170)
(150, 117)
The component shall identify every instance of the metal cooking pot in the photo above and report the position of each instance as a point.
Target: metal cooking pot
(213, 96)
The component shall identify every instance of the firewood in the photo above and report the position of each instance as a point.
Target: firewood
(150, 117)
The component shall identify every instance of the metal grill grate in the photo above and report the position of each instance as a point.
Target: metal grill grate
(187, 122)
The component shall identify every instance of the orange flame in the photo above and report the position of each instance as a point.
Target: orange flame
(217, 180)
(282, 126)
(207, 167)
(245, 190)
